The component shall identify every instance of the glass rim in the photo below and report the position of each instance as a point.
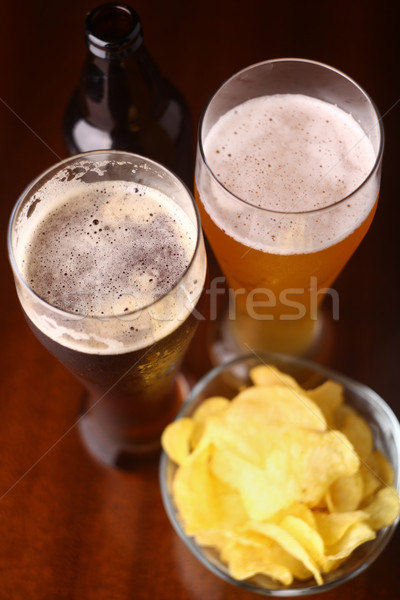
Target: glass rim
(321, 209)
(57, 167)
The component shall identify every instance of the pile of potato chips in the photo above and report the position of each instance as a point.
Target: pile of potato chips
(283, 482)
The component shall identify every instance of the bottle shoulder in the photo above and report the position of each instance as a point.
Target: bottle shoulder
(154, 132)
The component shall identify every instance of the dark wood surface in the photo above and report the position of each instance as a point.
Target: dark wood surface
(71, 528)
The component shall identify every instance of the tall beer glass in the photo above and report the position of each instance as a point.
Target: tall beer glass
(287, 179)
(109, 264)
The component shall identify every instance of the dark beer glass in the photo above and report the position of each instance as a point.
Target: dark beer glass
(109, 264)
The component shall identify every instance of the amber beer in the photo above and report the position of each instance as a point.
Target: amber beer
(287, 187)
(110, 267)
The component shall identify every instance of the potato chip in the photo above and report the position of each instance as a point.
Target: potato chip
(211, 406)
(281, 406)
(333, 526)
(251, 553)
(261, 495)
(176, 439)
(299, 510)
(288, 543)
(246, 560)
(245, 442)
(283, 483)
(358, 533)
(267, 375)
(328, 396)
(371, 483)
(320, 459)
(193, 493)
(381, 467)
(376, 471)
(204, 501)
(307, 536)
(310, 461)
(345, 493)
(384, 509)
(357, 430)
(216, 538)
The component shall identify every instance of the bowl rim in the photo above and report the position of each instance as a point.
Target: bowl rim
(352, 385)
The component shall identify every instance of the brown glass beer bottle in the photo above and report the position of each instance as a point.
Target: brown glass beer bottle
(122, 100)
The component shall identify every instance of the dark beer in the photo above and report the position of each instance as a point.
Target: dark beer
(132, 395)
(110, 273)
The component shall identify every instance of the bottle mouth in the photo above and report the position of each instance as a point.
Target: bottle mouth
(113, 30)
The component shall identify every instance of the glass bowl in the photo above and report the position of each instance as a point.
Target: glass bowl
(226, 380)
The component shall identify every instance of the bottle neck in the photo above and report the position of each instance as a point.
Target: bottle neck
(120, 82)
(113, 31)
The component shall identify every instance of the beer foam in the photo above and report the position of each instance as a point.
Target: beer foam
(109, 254)
(288, 153)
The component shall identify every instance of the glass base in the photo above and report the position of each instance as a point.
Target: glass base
(118, 452)
(224, 345)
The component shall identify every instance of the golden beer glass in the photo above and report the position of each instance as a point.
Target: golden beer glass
(281, 251)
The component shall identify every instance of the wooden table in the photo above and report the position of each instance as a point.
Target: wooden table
(71, 528)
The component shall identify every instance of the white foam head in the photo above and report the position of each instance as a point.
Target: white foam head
(285, 162)
(107, 267)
